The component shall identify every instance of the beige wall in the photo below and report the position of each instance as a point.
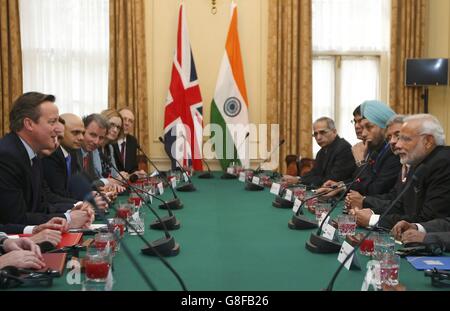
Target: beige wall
(438, 45)
(207, 34)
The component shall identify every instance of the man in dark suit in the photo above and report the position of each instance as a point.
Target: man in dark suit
(334, 161)
(125, 150)
(379, 173)
(422, 146)
(434, 231)
(61, 164)
(33, 122)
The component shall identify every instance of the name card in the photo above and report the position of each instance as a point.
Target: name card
(275, 189)
(242, 176)
(297, 204)
(230, 170)
(288, 195)
(173, 180)
(328, 231)
(161, 188)
(186, 178)
(343, 253)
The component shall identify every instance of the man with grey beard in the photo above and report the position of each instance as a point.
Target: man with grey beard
(363, 207)
(421, 145)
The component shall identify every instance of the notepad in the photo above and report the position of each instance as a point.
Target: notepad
(427, 263)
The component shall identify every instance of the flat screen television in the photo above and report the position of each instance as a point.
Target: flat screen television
(426, 71)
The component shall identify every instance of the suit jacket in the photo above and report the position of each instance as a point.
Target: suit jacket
(131, 164)
(437, 225)
(428, 198)
(379, 202)
(16, 188)
(12, 229)
(380, 174)
(90, 174)
(334, 162)
(55, 173)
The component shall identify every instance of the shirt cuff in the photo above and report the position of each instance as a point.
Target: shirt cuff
(105, 181)
(374, 220)
(28, 230)
(421, 228)
(68, 218)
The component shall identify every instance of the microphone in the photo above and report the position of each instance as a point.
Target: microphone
(207, 175)
(270, 155)
(301, 222)
(189, 187)
(316, 242)
(418, 174)
(227, 175)
(169, 222)
(10, 277)
(251, 186)
(130, 256)
(175, 203)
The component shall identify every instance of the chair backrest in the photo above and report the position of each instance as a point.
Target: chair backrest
(298, 168)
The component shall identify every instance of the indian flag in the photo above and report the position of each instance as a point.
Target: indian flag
(229, 108)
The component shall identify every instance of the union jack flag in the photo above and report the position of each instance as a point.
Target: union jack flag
(183, 120)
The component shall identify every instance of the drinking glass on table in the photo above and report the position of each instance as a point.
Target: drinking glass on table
(97, 264)
(389, 269)
(321, 211)
(346, 225)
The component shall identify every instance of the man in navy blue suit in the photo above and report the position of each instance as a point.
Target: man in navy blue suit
(33, 123)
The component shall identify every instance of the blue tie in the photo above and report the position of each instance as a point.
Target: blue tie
(69, 166)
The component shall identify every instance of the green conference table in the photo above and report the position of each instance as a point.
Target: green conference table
(234, 240)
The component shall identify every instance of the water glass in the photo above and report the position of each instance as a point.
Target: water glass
(299, 192)
(124, 211)
(97, 264)
(137, 223)
(384, 243)
(389, 269)
(321, 211)
(346, 225)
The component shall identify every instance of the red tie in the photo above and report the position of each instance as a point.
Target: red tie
(85, 162)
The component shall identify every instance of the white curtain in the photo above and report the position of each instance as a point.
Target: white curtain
(65, 45)
(351, 25)
(323, 90)
(341, 82)
(359, 82)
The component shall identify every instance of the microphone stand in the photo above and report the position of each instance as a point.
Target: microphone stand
(150, 246)
(319, 244)
(175, 203)
(169, 222)
(227, 175)
(301, 222)
(207, 175)
(189, 187)
(417, 176)
(253, 187)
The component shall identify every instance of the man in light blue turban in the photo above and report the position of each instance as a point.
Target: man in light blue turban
(379, 173)
(376, 112)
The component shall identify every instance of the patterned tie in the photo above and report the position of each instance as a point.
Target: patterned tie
(69, 166)
(86, 162)
(122, 152)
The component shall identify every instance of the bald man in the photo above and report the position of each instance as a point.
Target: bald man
(125, 150)
(59, 166)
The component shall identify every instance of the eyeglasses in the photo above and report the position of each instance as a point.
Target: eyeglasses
(118, 127)
(321, 132)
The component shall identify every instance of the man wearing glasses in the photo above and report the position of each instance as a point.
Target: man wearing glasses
(334, 160)
(125, 150)
(379, 173)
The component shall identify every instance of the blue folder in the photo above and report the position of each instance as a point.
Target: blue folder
(426, 263)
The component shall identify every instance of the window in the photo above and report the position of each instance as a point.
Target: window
(350, 48)
(65, 46)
